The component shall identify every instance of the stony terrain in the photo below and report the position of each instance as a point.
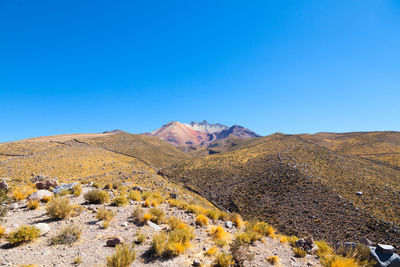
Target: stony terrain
(92, 244)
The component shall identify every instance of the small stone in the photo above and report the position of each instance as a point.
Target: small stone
(359, 193)
(115, 241)
(173, 196)
(228, 224)
(196, 263)
(124, 224)
(13, 206)
(138, 188)
(43, 227)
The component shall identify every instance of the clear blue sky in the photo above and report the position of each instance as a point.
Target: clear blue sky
(74, 66)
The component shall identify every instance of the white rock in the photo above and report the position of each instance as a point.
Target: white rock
(43, 227)
(153, 226)
(228, 224)
(40, 194)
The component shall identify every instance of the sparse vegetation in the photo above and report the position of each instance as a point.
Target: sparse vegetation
(23, 234)
(59, 208)
(211, 251)
(33, 204)
(104, 214)
(224, 260)
(120, 201)
(140, 237)
(157, 215)
(22, 192)
(77, 190)
(172, 243)
(67, 235)
(273, 260)
(219, 235)
(135, 195)
(138, 214)
(201, 220)
(78, 260)
(124, 256)
(240, 252)
(97, 196)
(299, 252)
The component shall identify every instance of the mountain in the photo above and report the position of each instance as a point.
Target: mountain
(297, 184)
(196, 134)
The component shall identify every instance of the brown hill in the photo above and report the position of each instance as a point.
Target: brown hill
(300, 186)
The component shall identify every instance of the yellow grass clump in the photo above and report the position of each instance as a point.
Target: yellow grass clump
(120, 201)
(146, 217)
(22, 192)
(224, 260)
(236, 219)
(172, 243)
(23, 234)
(33, 204)
(219, 235)
(124, 256)
(273, 260)
(59, 208)
(104, 214)
(201, 220)
(211, 251)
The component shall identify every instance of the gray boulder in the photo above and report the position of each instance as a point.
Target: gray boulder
(62, 187)
(384, 256)
(138, 188)
(40, 194)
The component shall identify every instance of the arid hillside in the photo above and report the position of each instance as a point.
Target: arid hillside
(299, 186)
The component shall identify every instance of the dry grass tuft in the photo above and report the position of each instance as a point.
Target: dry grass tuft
(157, 215)
(22, 192)
(219, 235)
(201, 220)
(224, 260)
(97, 196)
(23, 234)
(104, 214)
(33, 204)
(124, 256)
(172, 243)
(273, 260)
(59, 208)
(212, 251)
(120, 201)
(67, 235)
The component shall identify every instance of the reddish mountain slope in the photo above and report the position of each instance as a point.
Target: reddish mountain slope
(198, 133)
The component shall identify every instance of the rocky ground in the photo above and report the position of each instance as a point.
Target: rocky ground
(92, 245)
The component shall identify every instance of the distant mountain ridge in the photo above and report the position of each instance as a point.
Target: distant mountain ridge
(196, 134)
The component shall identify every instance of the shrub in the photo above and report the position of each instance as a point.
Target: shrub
(224, 260)
(201, 220)
(175, 223)
(292, 240)
(137, 215)
(338, 261)
(212, 214)
(219, 235)
(33, 204)
(361, 254)
(104, 214)
(63, 192)
(283, 239)
(78, 260)
(323, 248)
(146, 203)
(23, 234)
(124, 256)
(140, 238)
(273, 260)
(46, 199)
(2, 231)
(212, 251)
(195, 209)
(299, 252)
(134, 195)
(77, 190)
(146, 217)
(173, 243)
(67, 235)
(22, 192)
(105, 224)
(240, 252)
(261, 228)
(153, 199)
(157, 215)
(120, 201)
(59, 208)
(97, 196)
(180, 204)
(236, 219)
